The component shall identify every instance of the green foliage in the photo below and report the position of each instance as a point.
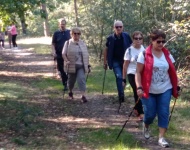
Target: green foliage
(96, 19)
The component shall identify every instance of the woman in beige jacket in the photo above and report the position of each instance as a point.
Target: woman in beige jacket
(76, 57)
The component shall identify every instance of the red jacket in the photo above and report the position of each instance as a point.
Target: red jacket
(147, 72)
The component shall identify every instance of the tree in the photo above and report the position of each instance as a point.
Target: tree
(21, 8)
(45, 16)
(76, 13)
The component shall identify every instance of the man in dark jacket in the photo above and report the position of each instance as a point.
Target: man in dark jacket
(116, 45)
(58, 41)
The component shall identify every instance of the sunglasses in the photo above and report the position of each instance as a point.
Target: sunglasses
(158, 42)
(118, 27)
(76, 33)
(138, 38)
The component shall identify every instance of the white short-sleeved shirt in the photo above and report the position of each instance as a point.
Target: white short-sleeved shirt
(132, 57)
(160, 81)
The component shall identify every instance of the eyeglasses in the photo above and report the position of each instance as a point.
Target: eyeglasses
(138, 38)
(118, 27)
(76, 33)
(158, 42)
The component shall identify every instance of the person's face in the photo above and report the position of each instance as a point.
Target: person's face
(62, 25)
(158, 44)
(76, 35)
(118, 28)
(137, 40)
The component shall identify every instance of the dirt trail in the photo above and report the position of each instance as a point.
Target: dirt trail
(23, 64)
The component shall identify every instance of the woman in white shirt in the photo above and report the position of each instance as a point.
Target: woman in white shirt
(129, 68)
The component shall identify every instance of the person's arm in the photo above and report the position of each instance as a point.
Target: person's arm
(105, 58)
(125, 67)
(139, 70)
(64, 52)
(53, 51)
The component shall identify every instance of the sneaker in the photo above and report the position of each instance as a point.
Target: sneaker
(162, 142)
(146, 131)
(83, 99)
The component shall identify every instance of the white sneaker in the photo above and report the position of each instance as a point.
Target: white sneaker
(162, 142)
(146, 131)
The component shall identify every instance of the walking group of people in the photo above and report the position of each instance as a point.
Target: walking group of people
(150, 71)
(11, 32)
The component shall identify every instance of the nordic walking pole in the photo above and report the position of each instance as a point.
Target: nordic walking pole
(104, 81)
(120, 101)
(119, 106)
(67, 68)
(179, 90)
(172, 111)
(127, 119)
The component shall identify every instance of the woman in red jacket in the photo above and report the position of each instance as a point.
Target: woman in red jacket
(156, 81)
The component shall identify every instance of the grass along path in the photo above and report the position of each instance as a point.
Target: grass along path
(34, 115)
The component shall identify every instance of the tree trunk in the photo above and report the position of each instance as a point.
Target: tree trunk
(46, 25)
(23, 23)
(76, 13)
(141, 9)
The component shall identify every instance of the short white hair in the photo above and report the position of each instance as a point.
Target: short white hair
(118, 22)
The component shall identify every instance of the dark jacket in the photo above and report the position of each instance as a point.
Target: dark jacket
(110, 45)
(59, 38)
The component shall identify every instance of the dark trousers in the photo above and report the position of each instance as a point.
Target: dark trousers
(138, 107)
(14, 40)
(2, 41)
(60, 64)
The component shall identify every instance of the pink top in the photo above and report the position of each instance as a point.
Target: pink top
(13, 30)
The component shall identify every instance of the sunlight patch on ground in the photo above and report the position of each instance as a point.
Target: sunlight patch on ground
(84, 121)
(22, 54)
(42, 63)
(36, 40)
(25, 74)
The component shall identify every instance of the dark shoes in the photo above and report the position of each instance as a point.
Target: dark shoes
(70, 95)
(83, 99)
(121, 99)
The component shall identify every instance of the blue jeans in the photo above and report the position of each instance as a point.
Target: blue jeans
(117, 69)
(157, 104)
